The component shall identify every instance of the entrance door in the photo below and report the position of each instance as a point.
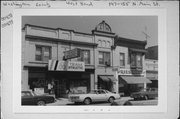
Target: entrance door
(56, 88)
(62, 88)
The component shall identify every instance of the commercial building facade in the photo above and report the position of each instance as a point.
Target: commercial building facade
(131, 73)
(94, 59)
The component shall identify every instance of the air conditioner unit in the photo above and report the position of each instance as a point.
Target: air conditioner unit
(107, 63)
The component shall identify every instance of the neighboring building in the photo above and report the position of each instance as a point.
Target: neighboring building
(151, 66)
(152, 53)
(47, 51)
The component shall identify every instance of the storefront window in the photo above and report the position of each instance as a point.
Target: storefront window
(85, 56)
(43, 53)
(104, 58)
(122, 59)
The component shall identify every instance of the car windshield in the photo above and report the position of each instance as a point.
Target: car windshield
(93, 92)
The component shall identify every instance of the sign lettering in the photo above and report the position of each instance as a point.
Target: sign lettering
(130, 72)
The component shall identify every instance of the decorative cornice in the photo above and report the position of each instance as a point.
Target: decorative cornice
(60, 40)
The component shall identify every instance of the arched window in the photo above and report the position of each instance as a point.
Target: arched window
(99, 43)
(103, 43)
(108, 44)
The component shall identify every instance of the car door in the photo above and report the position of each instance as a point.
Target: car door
(102, 96)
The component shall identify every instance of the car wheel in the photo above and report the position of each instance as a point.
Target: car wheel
(146, 97)
(41, 103)
(87, 101)
(111, 99)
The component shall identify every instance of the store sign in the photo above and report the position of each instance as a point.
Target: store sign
(56, 65)
(72, 53)
(75, 66)
(130, 72)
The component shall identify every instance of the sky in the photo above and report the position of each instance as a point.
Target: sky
(131, 27)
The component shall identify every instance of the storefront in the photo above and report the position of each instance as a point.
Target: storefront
(62, 82)
(130, 82)
(106, 82)
(66, 82)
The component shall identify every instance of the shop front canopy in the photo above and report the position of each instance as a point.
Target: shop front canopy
(108, 78)
(135, 80)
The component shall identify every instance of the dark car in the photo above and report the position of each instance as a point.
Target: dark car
(30, 98)
(145, 94)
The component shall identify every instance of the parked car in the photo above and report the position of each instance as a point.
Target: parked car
(145, 94)
(94, 96)
(30, 98)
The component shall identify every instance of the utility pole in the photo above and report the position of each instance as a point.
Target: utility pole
(146, 34)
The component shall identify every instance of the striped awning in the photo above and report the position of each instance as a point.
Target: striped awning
(135, 80)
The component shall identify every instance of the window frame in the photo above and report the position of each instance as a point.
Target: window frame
(103, 58)
(123, 54)
(81, 58)
(43, 48)
(135, 58)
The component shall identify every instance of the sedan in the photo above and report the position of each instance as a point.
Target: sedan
(145, 94)
(94, 96)
(30, 98)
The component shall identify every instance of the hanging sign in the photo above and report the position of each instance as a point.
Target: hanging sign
(72, 53)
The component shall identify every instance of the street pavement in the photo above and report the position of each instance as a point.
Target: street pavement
(65, 102)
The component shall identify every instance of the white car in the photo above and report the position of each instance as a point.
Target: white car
(94, 96)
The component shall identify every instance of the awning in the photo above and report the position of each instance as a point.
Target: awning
(138, 50)
(112, 78)
(104, 78)
(108, 78)
(135, 80)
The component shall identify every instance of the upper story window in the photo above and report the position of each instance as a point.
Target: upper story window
(139, 60)
(122, 59)
(85, 56)
(43, 53)
(136, 60)
(104, 58)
